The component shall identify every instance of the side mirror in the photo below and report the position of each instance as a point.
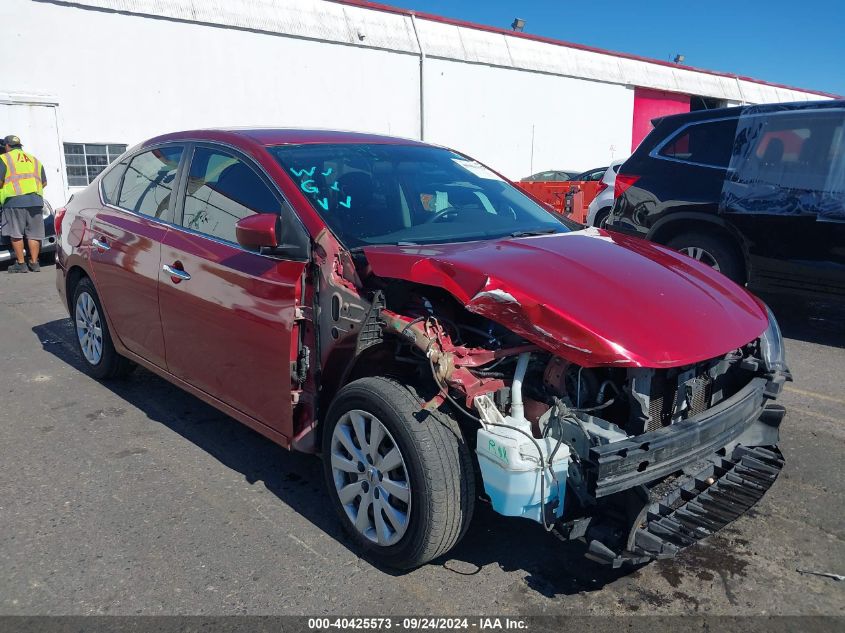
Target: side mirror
(258, 231)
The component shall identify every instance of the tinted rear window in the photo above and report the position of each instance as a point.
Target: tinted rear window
(709, 143)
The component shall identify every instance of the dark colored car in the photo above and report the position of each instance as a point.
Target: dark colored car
(554, 175)
(590, 175)
(757, 192)
(397, 307)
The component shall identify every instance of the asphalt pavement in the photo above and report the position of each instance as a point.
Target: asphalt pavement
(133, 497)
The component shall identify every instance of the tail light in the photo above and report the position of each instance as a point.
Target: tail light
(623, 183)
(602, 186)
(57, 220)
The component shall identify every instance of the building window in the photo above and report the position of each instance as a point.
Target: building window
(86, 160)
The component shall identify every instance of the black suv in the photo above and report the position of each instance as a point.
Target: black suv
(757, 192)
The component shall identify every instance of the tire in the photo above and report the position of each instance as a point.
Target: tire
(715, 251)
(600, 221)
(99, 356)
(436, 466)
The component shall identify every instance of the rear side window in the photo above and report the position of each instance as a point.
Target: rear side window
(708, 143)
(148, 182)
(110, 184)
(222, 189)
(789, 163)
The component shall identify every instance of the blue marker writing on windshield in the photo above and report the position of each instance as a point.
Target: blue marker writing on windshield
(347, 203)
(323, 202)
(326, 173)
(300, 172)
(335, 186)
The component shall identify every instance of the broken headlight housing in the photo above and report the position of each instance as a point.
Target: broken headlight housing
(771, 345)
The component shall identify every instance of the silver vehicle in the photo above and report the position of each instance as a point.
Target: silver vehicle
(599, 208)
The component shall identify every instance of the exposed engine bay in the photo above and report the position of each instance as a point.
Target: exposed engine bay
(635, 461)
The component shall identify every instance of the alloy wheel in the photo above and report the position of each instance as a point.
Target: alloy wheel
(89, 328)
(696, 252)
(370, 477)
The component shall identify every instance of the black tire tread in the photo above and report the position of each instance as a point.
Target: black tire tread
(445, 461)
(601, 214)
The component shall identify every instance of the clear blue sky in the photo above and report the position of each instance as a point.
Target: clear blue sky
(797, 42)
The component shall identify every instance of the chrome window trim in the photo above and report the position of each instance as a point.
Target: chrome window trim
(128, 157)
(655, 152)
(189, 146)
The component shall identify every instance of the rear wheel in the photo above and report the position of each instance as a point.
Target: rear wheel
(92, 335)
(401, 479)
(717, 252)
(601, 218)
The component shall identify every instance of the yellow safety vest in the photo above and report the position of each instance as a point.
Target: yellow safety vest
(23, 175)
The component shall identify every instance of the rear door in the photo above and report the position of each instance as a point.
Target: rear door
(228, 313)
(125, 245)
(786, 193)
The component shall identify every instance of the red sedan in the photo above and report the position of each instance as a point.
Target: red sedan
(425, 326)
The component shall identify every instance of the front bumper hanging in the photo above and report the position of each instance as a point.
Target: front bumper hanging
(689, 508)
(665, 490)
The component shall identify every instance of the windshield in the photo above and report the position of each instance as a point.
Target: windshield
(409, 194)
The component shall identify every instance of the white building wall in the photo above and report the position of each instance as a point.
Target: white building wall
(494, 113)
(122, 78)
(124, 70)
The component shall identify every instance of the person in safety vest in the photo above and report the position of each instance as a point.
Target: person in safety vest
(22, 182)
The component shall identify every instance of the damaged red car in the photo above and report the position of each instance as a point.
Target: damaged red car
(434, 333)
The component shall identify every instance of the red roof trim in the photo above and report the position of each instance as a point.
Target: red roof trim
(365, 4)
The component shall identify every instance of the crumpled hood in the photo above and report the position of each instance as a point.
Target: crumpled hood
(592, 297)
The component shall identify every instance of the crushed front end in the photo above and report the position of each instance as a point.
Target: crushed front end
(637, 462)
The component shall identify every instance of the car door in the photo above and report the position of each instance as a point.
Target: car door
(125, 246)
(227, 312)
(786, 193)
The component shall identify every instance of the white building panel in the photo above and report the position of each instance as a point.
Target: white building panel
(575, 124)
(125, 70)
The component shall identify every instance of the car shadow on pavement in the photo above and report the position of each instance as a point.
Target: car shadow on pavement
(819, 322)
(553, 567)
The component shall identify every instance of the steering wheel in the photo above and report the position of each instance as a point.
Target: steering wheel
(441, 214)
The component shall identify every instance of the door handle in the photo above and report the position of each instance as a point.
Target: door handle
(180, 274)
(101, 245)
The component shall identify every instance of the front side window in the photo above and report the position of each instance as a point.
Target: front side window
(409, 194)
(708, 143)
(148, 182)
(85, 161)
(221, 190)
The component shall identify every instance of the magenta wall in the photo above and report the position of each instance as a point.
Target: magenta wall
(650, 104)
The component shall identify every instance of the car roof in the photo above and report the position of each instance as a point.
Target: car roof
(717, 113)
(269, 136)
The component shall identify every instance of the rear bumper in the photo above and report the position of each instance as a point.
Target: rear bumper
(743, 418)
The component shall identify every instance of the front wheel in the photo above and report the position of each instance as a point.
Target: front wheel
(400, 478)
(93, 337)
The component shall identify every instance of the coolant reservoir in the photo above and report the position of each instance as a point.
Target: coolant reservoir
(512, 474)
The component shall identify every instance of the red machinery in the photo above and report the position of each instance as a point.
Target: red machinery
(569, 198)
